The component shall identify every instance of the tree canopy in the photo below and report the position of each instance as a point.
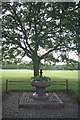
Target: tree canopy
(39, 30)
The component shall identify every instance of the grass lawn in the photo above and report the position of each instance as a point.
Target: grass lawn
(25, 75)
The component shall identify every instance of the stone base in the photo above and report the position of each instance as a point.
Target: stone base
(40, 97)
(53, 101)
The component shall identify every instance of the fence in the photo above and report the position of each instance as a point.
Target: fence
(73, 86)
(10, 83)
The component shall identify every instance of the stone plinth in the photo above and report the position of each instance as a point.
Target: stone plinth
(52, 101)
(40, 97)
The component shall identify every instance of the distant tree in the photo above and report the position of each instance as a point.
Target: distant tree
(30, 27)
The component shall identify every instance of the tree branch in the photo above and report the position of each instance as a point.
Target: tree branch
(23, 29)
(27, 52)
(55, 48)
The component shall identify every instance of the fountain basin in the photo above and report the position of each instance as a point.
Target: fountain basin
(41, 84)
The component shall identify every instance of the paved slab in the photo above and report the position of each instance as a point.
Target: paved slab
(53, 101)
(10, 107)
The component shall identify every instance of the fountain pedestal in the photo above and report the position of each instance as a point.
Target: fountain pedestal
(40, 89)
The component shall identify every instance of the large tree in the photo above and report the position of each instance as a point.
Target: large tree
(30, 27)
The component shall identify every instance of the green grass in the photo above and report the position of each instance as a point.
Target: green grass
(25, 75)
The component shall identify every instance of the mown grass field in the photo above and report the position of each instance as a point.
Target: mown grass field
(25, 75)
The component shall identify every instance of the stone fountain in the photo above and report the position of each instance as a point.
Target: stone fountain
(40, 88)
(40, 98)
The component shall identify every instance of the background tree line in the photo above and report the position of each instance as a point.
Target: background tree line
(75, 66)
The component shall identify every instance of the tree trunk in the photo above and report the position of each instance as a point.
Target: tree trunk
(36, 65)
